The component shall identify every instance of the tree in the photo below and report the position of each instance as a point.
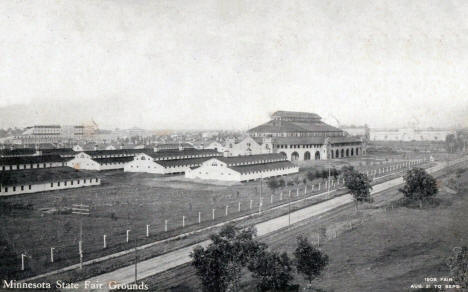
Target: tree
(272, 270)
(281, 183)
(310, 261)
(273, 184)
(419, 185)
(311, 175)
(324, 174)
(458, 265)
(219, 266)
(358, 185)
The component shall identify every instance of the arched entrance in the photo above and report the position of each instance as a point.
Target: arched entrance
(317, 155)
(294, 156)
(332, 154)
(347, 152)
(307, 155)
(357, 151)
(337, 154)
(352, 151)
(342, 153)
(282, 153)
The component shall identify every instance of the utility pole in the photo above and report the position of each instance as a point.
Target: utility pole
(260, 199)
(136, 260)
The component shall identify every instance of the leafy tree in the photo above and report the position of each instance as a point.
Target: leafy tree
(273, 184)
(281, 183)
(358, 185)
(335, 173)
(458, 265)
(324, 174)
(419, 185)
(310, 261)
(311, 175)
(272, 270)
(219, 266)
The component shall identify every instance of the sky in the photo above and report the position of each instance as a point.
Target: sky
(229, 64)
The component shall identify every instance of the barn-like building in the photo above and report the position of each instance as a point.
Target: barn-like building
(243, 168)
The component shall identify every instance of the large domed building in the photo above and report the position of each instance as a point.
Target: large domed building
(303, 136)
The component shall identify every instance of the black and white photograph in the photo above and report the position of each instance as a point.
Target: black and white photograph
(234, 145)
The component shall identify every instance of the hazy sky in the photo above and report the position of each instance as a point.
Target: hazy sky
(229, 64)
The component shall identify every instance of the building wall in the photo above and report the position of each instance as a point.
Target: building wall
(247, 146)
(113, 165)
(44, 187)
(144, 165)
(214, 169)
(322, 152)
(32, 166)
(83, 162)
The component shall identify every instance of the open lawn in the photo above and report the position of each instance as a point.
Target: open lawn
(124, 201)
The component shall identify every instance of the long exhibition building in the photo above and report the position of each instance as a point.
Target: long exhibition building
(242, 168)
(303, 136)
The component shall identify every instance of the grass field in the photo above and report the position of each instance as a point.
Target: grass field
(124, 201)
(390, 250)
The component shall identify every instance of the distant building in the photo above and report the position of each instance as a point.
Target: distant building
(243, 168)
(40, 134)
(409, 134)
(303, 136)
(357, 131)
(172, 146)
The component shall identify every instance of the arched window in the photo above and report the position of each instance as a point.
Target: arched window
(337, 153)
(347, 152)
(307, 155)
(317, 155)
(294, 156)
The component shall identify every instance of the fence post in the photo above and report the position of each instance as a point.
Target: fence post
(239, 207)
(305, 190)
(297, 192)
(52, 254)
(183, 221)
(290, 193)
(213, 212)
(128, 232)
(104, 241)
(199, 217)
(165, 225)
(281, 196)
(271, 199)
(250, 204)
(227, 207)
(147, 230)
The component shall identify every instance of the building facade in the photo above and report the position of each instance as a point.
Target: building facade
(303, 136)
